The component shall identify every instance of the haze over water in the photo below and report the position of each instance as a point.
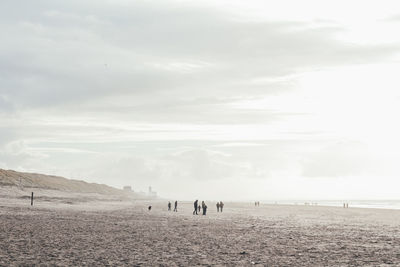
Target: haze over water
(371, 204)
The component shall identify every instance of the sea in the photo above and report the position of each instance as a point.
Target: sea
(368, 204)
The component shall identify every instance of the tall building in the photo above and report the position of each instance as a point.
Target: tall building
(127, 188)
(151, 193)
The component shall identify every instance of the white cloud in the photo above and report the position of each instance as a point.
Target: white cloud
(218, 92)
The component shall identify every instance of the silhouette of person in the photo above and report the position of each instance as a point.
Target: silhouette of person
(221, 205)
(176, 206)
(204, 209)
(217, 206)
(195, 207)
(169, 205)
(149, 208)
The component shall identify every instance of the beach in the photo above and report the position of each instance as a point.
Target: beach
(115, 233)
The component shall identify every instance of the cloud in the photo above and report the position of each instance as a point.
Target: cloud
(16, 155)
(148, 50)
(201, 165)
(5, 105)
(341, 160)
(7, 135)
(133, 170)
(395, 18)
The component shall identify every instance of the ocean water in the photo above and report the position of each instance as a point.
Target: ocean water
(371, 204)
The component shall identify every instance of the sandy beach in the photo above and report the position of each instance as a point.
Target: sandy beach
(98, 233)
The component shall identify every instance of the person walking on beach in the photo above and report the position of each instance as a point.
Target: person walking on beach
(176, 206)
(204, 208)
(217, 206)
(169, 206)
(221, 205)
(195, 207)
(199, 208)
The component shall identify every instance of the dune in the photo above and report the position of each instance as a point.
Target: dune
(35, 180)
(16, 187)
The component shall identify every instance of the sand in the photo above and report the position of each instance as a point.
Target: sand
(98, 233)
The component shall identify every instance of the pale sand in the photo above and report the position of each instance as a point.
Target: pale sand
(125, 233)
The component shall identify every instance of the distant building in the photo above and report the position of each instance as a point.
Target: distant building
(127, 188)
(151, 193)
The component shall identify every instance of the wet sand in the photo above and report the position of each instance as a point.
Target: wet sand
(125, 233)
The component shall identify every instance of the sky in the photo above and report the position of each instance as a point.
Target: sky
(220, 100)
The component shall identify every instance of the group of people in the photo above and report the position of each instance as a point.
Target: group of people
(175, 206)
(203, 207)
(197, 208)
(257, 203)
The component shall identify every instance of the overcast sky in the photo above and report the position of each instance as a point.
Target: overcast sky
(230, 100)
